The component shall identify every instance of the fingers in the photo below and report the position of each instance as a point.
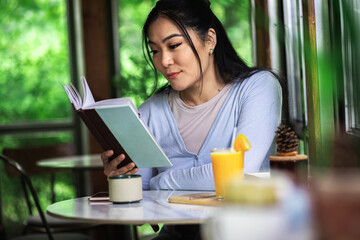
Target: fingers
(122, 171)
(110, 168)
(127, 169)
(116, 161)
(105, 156)
(133, 170)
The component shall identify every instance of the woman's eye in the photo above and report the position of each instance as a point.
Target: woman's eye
(173, 46)
(154, 52)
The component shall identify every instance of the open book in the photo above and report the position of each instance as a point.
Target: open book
(117, 126)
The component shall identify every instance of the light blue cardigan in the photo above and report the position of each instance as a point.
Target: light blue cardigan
(253, 106)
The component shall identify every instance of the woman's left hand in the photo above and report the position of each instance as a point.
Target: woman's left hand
(110, 167)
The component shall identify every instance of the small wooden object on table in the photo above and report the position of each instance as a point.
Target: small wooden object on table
(205, 198)
(287, 159)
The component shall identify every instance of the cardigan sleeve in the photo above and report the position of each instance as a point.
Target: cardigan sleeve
(260, 115)
(195, 178)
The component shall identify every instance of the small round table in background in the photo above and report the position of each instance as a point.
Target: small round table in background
(82, 162)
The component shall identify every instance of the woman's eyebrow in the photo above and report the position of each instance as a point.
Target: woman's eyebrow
(171, 36)
(167, 38)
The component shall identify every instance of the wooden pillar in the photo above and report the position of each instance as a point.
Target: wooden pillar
(261, 33)
(98, 47)
(312, 83)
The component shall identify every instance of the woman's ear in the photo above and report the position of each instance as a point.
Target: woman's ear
(211, 39)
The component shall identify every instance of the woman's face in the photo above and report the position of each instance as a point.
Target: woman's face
(173, 56)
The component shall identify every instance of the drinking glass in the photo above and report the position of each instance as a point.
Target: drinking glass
(226, 164)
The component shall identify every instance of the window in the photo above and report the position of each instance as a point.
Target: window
(34, 63)
(322, 58)
(350, 15)
(294, 47)
(34, 109)
(295, 68)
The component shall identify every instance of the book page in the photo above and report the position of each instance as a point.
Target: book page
(90, 103)
(73, 96)
(77, 96)
(114, 102)
(88, 97)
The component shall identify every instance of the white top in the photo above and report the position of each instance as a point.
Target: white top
(194, 122)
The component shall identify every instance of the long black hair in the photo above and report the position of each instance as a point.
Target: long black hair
(198, 16)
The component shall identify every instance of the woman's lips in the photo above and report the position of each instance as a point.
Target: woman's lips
(173, 75)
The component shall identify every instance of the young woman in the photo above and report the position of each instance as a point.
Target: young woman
(210, 92)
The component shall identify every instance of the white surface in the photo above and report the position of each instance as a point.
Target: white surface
(154, 208)
(260, 174)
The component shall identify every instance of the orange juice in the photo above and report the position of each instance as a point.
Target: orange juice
(226, 164)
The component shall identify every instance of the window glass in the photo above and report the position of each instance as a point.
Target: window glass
(294, 58)
(137, 79)
(34, 61)
(235, 17)
(351, 60)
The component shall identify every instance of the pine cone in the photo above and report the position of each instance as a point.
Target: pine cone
(286, 140)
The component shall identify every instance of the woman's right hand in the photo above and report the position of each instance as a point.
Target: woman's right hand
(110, 168)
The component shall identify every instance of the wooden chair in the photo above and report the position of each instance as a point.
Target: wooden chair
(27, 158)
(49, 235)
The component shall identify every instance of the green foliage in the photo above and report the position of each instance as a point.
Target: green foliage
(136, 78)
(34, 60)
(235, 17)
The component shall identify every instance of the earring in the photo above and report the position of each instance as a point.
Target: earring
(211, 51)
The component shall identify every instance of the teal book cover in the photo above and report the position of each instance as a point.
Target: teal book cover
(135, 138)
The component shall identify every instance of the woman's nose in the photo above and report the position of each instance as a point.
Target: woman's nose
(167, 60)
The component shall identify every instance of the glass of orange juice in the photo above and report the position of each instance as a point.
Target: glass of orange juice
(227, 164)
